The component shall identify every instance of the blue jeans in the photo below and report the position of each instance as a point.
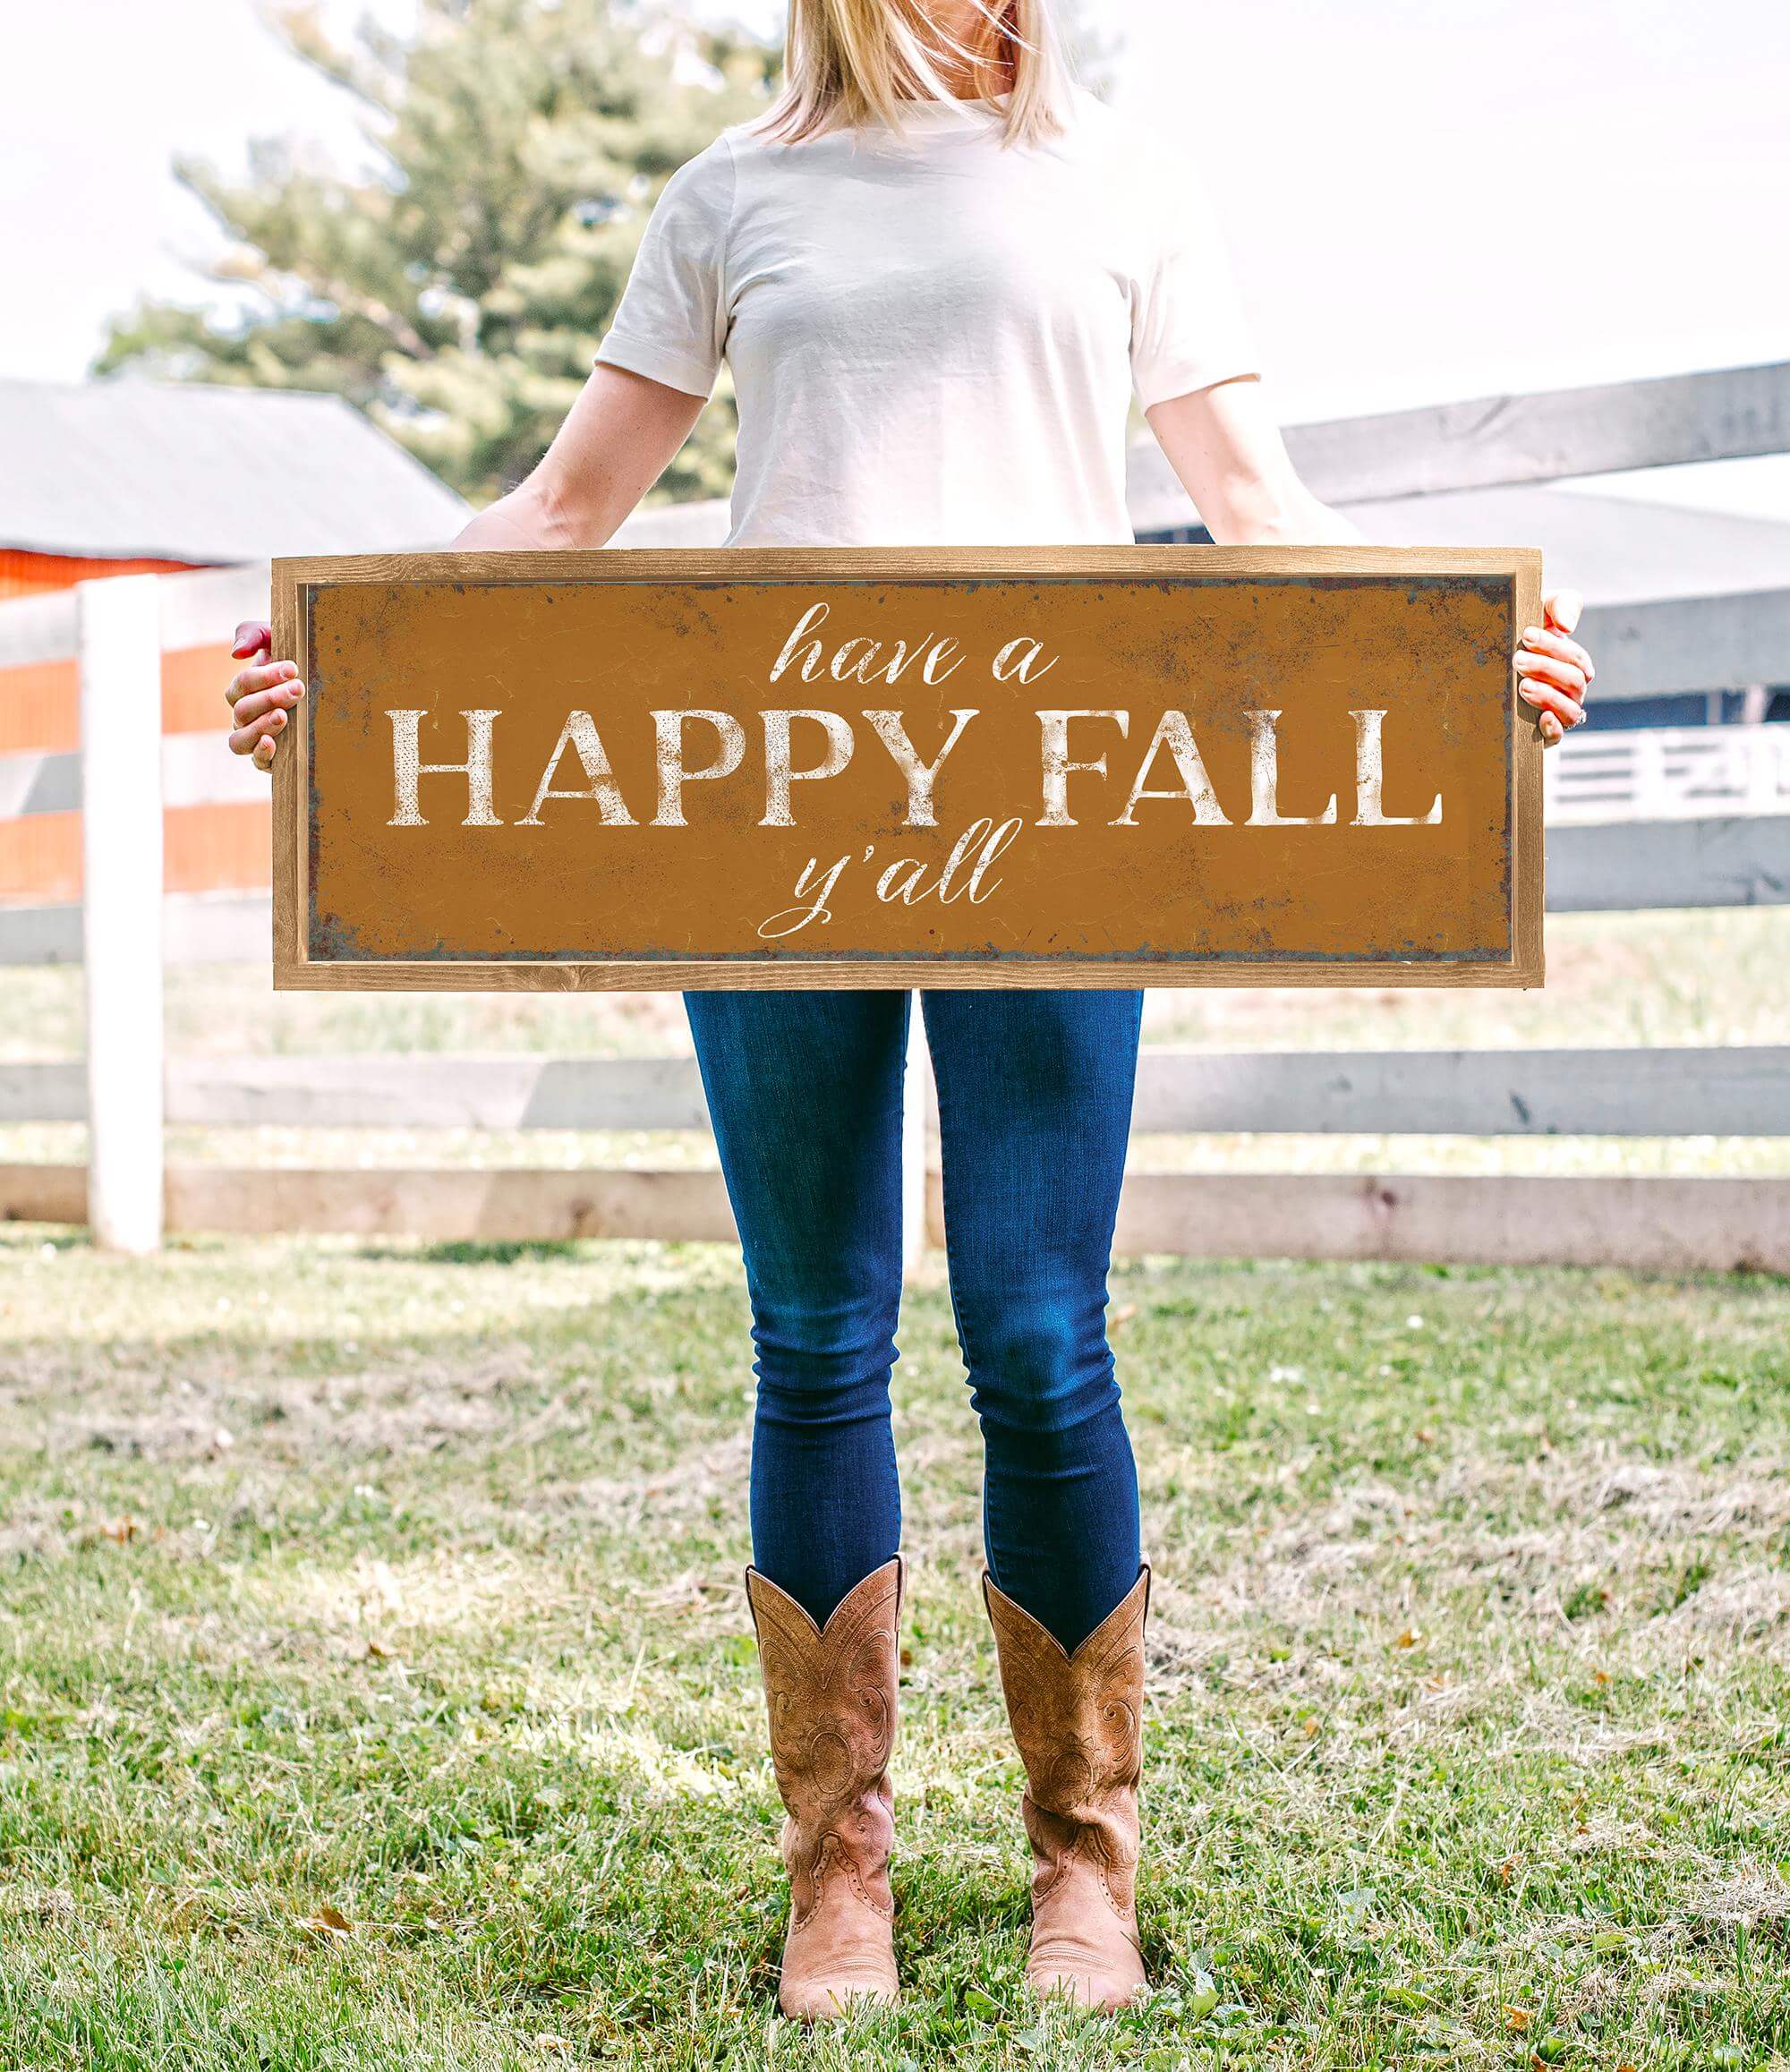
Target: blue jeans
(1035, 1103)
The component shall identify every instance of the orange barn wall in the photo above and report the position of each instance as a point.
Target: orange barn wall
(222, 848)
(27, 574)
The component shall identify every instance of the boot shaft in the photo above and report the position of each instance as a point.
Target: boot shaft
(1078, 1723)
(830, 1697)
(1077, 1718)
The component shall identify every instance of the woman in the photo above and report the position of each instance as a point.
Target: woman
(939, 272)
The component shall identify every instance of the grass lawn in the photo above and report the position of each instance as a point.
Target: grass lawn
(375, 1689)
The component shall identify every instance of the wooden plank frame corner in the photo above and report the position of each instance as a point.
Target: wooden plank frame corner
(296, 579)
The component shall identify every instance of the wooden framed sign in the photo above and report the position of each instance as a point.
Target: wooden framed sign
(858, 767)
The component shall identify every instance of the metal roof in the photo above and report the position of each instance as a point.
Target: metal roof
(1613, 549)
(129, 469)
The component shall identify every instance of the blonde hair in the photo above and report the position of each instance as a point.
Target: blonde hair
(846, 62)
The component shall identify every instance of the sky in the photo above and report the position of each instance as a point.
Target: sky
(1423, 200)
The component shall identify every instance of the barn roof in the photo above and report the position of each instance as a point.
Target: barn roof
(1615, 549)
(129, 469)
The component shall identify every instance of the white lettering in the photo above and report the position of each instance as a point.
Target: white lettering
(1054, 725)
(408, 766)
(1174, 734)
(580, 735)
(921, 777)
(1371, 780)
(779, 772)
(674, 772)
(1264, 780)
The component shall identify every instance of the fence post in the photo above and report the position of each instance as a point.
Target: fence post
(119, 650)
(917, 1106)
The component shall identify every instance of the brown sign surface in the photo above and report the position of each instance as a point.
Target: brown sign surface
(1123, 766)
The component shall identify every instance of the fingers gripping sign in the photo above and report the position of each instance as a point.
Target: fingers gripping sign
(1554, 672)
(261, 695)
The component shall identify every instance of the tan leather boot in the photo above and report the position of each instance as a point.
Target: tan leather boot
(830, 1693)
(1078, 1722)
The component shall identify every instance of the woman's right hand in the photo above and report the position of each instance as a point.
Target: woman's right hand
(261, 695)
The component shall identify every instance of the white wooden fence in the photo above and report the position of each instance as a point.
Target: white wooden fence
(1668, 773)
(1686, 818)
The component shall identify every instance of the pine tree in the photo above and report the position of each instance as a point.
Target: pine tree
(458, 291)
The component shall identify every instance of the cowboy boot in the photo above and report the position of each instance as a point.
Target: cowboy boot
(830, 1695)
(1078, 1720)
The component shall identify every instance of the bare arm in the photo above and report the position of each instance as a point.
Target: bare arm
(1226, 447)
(617, 441)
(619, 438)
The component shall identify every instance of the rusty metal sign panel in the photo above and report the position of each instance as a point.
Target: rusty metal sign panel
(1100, 766)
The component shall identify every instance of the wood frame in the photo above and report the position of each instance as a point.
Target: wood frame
(295, 579)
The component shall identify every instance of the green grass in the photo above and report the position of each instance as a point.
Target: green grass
(375, 1689)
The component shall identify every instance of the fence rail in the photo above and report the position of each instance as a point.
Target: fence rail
(109, 701)
(1650, 1224)
(1496, 441)
(1735, 1091)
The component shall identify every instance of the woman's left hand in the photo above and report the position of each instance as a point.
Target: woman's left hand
(1553, 673)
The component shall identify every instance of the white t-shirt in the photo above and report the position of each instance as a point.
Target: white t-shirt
(935, 337)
